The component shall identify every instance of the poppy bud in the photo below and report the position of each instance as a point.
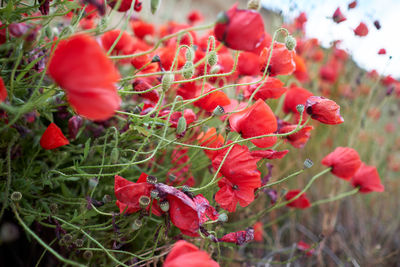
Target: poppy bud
(151, 179)
(114, 155)
(188, 70)
(308, 163)
(218, 111)
(290, 42)
(67, 238)
(223, 217)
(212, 58)
(16, 196)
(154, 5)
(87, 255)
(164, 205)
(144, 201)
(253, 4)
(137, 224)
(154, 194)
(167, 80)
(215, 69)
(181, 128)
(300, 108)
(189, 54)
(78, 243)
(107, 198)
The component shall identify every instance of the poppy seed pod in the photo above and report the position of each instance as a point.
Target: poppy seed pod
(212, 58)
(87, 254)
(144, 201)
(78, 243)
(223, 217)
(290, 42)
(154, 194)
(164, 205)
(167, 80)
(137, 224)
(16, 196)
(308, 163)
(218, 111)
(151, 179)
(300, 108)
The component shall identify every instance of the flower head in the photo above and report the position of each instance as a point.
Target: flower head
(301, 202)
(344, 162)
(323, 110)
(53, 137)
(367, 178)
(282, 61)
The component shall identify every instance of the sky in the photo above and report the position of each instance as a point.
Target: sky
(364, 50)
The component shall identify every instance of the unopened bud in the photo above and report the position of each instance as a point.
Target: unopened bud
(114, 155)
(154, 194)
(144, 201)
(223, 217)
(137, 224)
(212, 58)
(218, 111)
(164, 205)
(182, 125)
(16, 196)
(290, 42)
(253, 4)
(87, 255)
(151, 179)
(308, 163)
(189, 54)
(167, 80)
(154, 5)
(300, 108)
(188, 70)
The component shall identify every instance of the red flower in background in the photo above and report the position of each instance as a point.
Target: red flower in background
(80, 66)
(3, 91)
(295, 96)
(367, 178)
(124, 44)
(323, 110)
(240, 29)
(272, 88)
(185, 254)
(301, 202)
(258, 231)
(194, 17)
(53, 137)
(248, 64)
(299, 138)
(338, 16)
(255, 121)
(128, 194)
(300, 73)
(212, 100)
(303, 246)
(344, 162)
(382, 51)
(239, 238)
(352, 4)
(140, 85)
(141, 28)
(282, 62)
(361, 30)
(212, 140)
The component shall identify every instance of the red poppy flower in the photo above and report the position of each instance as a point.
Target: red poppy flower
(272, 88)
(258, 231)
(298, 139)
(248, 64)
(382, 51)
(140, 85)
(195, 16)
(185, 254)
(128, 194)
(124, 44)
(282, 62)
(3, 91)
(240, 29)
(338, 16)
(167, 55)
(300, 21)
(188, 114)
(212, 140)
(269, 154)
(323, 110)
(255, 121)
(141, 28)
(344, 162)
(53, 137)
(225, 65)
(367, 178)
(239, 238)
(295, 96)
(212, 100)
(303, 246)
(361, 30)
(125, 5)
(301, 202)
(352, 4)
(330, 71)
(80, 66)
(300, 73)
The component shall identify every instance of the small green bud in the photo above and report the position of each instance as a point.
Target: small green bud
(290, 42)
(114, 155)
(182, 124)
(16, 196)
(189, 54)
(164, 205)
(223, 217)
(308, 163)
(218, 111)
(212, 58)
(79, 243)
(167, 80)
(154, 5)
(154, 194)
(300, 108)
(137, 224)
(188, 70)
(144, 201)
(151, 179)
(87, 255)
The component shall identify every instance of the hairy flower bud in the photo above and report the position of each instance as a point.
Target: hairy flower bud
(188, 70)
(167, 80)
(182, 125)
(212, 58)
(189, 54)
(290, 42)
